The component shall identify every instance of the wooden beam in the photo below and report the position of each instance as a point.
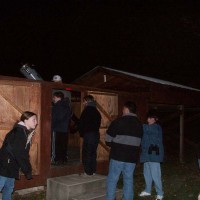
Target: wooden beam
(104, 112)
(17, 108)
(164, 107)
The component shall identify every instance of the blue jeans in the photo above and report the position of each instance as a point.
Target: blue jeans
(152, 173)
(6, 186)
(115, 169)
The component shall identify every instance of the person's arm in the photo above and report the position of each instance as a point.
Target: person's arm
(82, 122)
(21, 154)
(159, 135)
(110, 134)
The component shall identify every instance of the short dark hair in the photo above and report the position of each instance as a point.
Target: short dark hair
(131, 106)
(153, 113)
(26, 115)
(89, 98)
(59, 94)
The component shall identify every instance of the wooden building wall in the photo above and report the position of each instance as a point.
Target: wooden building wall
(174, 96)
(18, 95)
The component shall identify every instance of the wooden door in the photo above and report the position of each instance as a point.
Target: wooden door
(15, 98)
(107, 104)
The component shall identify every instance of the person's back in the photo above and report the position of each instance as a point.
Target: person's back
(124, 137)
(89, 124)
(90, 120)
(126, 132)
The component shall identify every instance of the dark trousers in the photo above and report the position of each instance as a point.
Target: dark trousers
(59, 146)
(89, 153)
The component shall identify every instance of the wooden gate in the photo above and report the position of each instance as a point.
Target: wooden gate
(107, 104)
(15, 98)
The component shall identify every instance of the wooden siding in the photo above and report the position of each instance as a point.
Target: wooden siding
(17, 97)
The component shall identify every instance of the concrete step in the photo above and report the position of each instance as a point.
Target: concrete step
(99, 194)
(66, 187)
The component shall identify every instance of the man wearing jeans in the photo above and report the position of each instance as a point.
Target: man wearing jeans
(124, 137)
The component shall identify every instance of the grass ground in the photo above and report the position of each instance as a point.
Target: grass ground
(180, 182)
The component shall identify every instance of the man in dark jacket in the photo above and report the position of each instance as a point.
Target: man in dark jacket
(61, 113)
(124, 137)
(89, 125)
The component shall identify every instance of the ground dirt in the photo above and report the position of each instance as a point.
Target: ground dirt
(180, 182)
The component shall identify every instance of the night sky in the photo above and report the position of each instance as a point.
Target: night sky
(160, 39)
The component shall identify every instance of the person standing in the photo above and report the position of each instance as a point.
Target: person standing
(14, 153)
(124, 137)
(61, 114)
(89, 124)
(152, 155)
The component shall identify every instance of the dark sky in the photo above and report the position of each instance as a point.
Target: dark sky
(154, 38)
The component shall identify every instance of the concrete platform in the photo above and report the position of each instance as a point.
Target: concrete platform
(77, 187)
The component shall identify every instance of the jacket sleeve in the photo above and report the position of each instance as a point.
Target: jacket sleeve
(82, 122)
(21, 153)
(110, 134)
(60, 112)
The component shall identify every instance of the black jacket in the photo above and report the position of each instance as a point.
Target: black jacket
(14, 154)
(90, 120)
(124, 137)
(61, 114)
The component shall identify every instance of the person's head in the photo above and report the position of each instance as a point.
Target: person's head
(88, 99)
(152, 117)
(29, 119)
(57, 78)
(129, 107)
(57, 96)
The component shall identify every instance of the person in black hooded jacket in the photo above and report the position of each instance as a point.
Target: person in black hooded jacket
(89, 124)
(14, 153)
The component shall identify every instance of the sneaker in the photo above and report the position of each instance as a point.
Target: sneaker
(144, 194)
(86, 175)
(159, 197)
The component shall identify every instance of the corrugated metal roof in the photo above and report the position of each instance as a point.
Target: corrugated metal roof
(155, 80)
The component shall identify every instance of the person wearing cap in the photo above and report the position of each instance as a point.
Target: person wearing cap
(152, 155)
